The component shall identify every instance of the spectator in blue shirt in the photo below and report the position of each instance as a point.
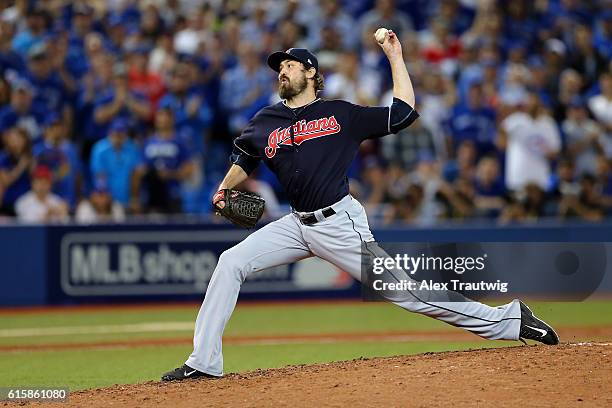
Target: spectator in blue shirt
(192, 114)
(116, 31)
(15, 163)
(117, 161)
(489, 186)
(93, 84)
(473, 121)
(603, 35)
(76, 58)
(51, 91)
(10, 60)
(245, 89)
(168, 162)
(118, 102)
(20, 112)
(51, 154)
(519, 24)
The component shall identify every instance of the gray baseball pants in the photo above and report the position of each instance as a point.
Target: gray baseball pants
(337, 239)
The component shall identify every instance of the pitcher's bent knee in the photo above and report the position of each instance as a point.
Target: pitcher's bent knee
(232, 264)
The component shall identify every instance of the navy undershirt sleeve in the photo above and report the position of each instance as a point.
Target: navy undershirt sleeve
(246, 162)
(243, 154)
(401, 115)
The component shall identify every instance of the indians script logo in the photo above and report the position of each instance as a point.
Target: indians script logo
(302, 131)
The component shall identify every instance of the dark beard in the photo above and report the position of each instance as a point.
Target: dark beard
(289, 91)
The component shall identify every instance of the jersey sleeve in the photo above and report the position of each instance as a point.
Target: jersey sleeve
(367, 122)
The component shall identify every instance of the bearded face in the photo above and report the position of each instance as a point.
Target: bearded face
(290, 87)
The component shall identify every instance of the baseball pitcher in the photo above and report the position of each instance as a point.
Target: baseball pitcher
(309, 144)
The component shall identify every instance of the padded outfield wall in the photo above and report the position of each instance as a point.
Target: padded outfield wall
(69, 264)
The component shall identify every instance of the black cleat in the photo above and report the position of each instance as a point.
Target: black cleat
(533, 328)
(184, 372)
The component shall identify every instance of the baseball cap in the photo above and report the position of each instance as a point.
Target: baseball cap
(42, 172)
(51, 118)
(297, 54)
(118, 126)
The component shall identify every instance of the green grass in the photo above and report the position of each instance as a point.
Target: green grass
(291, 319)
(81, 369)
(85, 368)
(60, 317)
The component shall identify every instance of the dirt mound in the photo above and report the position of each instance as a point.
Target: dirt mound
(578, 374)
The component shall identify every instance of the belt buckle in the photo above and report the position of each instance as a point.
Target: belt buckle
(303, 218)
(309, 220)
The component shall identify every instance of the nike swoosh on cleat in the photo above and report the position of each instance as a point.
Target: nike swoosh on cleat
(541, 331)
(186, 374)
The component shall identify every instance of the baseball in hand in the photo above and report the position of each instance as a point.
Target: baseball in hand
(381, 35)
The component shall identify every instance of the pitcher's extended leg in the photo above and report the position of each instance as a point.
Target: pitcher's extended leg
(278, 243)
(339, 242)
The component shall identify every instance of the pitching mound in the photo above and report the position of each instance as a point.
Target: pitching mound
(577, 374)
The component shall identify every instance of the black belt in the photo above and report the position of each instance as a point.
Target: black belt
(310, 219)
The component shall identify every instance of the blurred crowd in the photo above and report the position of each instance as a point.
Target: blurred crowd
(113, 108)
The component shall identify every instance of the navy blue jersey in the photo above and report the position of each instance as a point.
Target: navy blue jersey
(310, 148)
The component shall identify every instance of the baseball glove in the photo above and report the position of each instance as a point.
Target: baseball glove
(241, 208)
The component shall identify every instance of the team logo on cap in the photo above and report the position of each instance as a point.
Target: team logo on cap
(302, 131)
